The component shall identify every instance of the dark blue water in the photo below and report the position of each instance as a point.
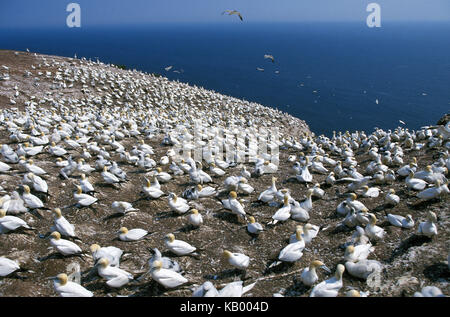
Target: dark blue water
(330, 75)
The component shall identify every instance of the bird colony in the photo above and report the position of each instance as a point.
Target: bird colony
(95, 201)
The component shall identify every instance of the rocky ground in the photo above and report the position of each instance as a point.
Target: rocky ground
(410, 262)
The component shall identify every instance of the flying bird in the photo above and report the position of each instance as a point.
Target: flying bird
(168, 68)
(267, 56)
(231, 12)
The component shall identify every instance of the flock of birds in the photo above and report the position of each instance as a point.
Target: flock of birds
(97, 136)
(232, 12)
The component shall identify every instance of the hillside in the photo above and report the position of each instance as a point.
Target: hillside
(100, 101)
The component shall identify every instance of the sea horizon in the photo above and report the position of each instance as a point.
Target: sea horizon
(336, 76)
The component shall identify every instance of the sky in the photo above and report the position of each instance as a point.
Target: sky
(52, 13)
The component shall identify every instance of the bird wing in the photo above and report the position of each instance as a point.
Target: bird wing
(282, 214)
(118, 281)
(68, 247)
(395, 220)
(136, 234)
(7, 266)
(169, 279)
(292, 252)
(233, 289)
(12, 224)
(181, 247)
(72, 289)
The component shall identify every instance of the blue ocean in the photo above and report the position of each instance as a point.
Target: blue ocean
(335, 76)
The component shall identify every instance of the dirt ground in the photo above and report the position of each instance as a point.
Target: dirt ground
(410, 262)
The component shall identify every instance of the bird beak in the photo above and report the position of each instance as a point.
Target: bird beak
(325, 268)
(51, 278)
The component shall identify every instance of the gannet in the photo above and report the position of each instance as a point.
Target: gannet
(432, 192)
(195, 218)
(152, 191)
(330, 287)
(30, 167)
(178, 247)
(304, 176)
(358, 253)
(191, 193)
(115, 276)
(309, 232)
(355, 203)
(428, 228)
(298, 213)
(38, 183)
(284, 213)
(415, 183)
(426, 175)
(400, 221)
(373, 231)
(168, 263)
(178, 205)
(207, 191)
(65, 247)
(30, 200)
(370, 192)
(429, 291)
(122, 207)
(235, 289)
(231, 12)
(11, 223)
(309, 275)
(62, 225)
(216, 170)
(165, 277)
(318, 167)
(268, 56)
(269, 194)
(132, 235)
(83, 200)
(391, 198)
(15, 205)
(351, 220)
(117, 171)
(235, 205)
(362, 217)
(9, 155)
(8, 266)
(207, 289)
(238, 260)
(307, 203)
(317, 191)
(4, 167)
(243, 186)
(85, 185)
(108, 177)
(56, 150)
(254, 227)
(100, 164)
(66, 288)
(363, 268)
(163, 177)
(293, 251)
(111, 253)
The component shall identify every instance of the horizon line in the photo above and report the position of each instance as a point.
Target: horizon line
(150, 23)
